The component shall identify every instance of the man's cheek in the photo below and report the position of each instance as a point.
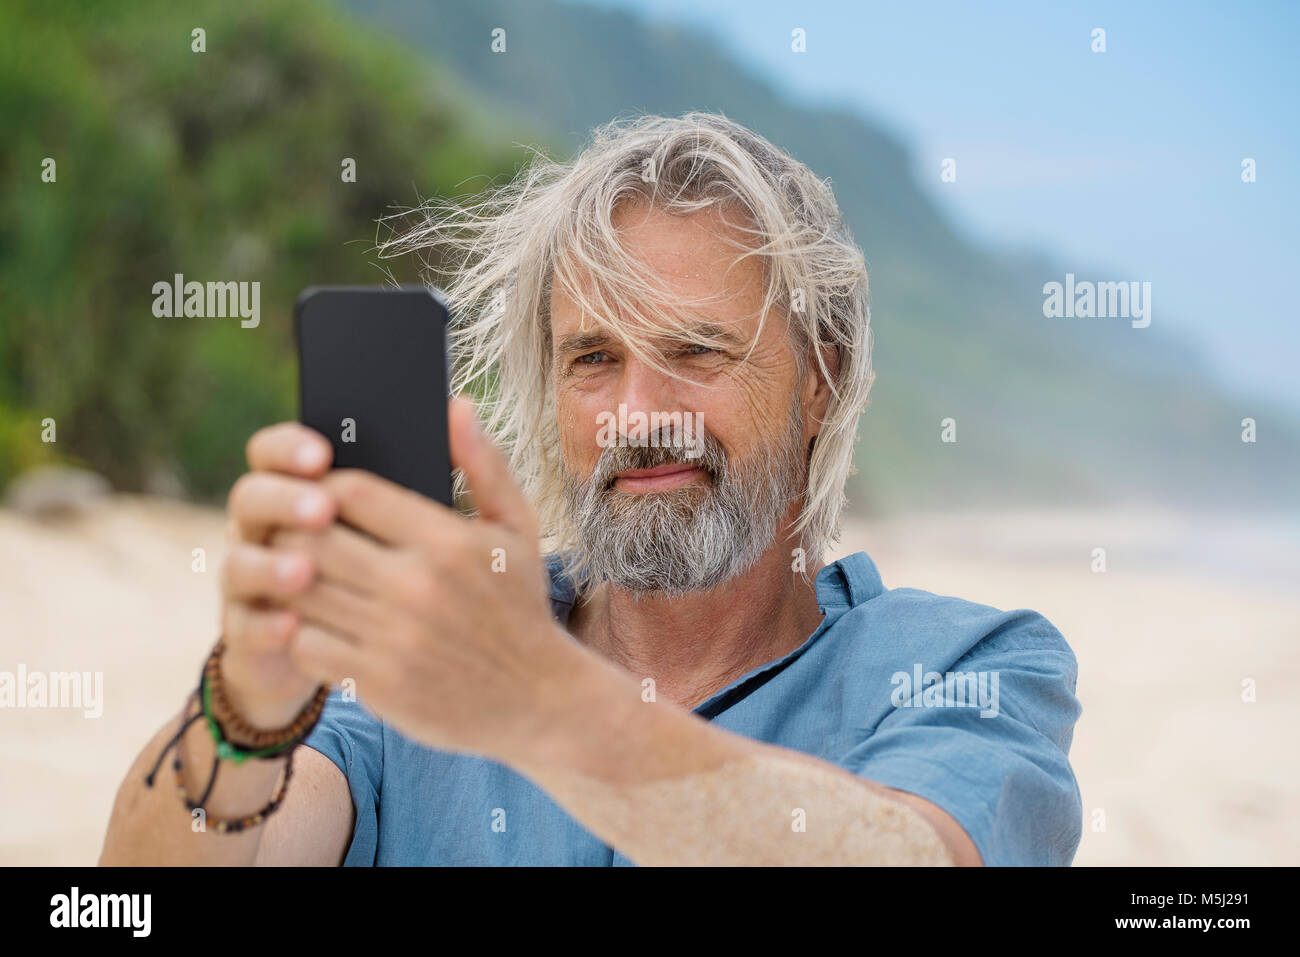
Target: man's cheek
(580, 463)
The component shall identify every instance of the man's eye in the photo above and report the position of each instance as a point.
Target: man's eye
(592, 358)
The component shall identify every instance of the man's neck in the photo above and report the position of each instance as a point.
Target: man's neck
(695, 645)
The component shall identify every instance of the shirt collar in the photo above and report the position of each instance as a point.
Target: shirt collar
(848, 582)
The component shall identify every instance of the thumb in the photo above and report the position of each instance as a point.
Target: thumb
(493, 489)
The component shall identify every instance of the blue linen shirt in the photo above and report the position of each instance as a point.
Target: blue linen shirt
(864, 692)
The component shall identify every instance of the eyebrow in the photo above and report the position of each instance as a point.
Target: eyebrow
(582, 341)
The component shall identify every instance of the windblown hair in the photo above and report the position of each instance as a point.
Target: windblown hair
(498, 255)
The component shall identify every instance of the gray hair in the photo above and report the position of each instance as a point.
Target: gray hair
(500, 253)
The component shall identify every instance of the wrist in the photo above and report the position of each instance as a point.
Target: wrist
(580, 707)
(553, 705)
(267, 707)
(263, 714)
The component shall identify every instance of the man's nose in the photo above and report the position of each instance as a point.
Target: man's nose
(644, 388)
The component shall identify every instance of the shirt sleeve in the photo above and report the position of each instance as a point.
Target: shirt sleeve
(1005, 778)
(353, 738)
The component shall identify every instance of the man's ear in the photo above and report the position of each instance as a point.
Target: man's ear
(817, 390)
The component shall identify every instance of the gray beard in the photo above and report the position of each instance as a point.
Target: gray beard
(692, 538)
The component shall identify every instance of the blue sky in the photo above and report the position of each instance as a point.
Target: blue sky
(1124, 164)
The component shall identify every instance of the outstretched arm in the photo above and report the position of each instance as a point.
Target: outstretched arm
(666, 787)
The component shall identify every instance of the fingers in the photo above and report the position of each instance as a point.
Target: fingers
(385, 510)
(338, 553)
(270, 593)
(351, 615)
(327, 656)
(289, 447)
(258, 630)
(254, 573)
(254, 583)
(496, 495)
(260, 501)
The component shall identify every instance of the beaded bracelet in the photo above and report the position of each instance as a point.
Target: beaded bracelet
(206, 693)
(221, 825)
(227, 825)
(242, 736)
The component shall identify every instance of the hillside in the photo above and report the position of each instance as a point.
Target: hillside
(1053, 411)
(225, 165)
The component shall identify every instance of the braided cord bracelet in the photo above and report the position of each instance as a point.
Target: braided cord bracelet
(270, 743)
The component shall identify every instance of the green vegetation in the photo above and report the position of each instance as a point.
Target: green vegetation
(222, 165)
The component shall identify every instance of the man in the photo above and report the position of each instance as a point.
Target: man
(674, 333)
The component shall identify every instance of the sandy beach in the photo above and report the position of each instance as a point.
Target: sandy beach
(1175, 767)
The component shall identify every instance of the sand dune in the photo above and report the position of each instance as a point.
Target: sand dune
(1174, 766)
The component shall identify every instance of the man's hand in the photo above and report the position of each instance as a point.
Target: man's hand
(443, 621)
(278, 491)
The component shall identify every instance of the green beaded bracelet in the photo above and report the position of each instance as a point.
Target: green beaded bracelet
(229, 751)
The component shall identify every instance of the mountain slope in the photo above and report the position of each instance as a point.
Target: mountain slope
(1047, 410)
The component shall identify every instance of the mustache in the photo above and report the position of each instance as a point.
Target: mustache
(645, 454)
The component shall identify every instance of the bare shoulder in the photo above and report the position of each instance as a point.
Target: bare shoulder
(313, 827)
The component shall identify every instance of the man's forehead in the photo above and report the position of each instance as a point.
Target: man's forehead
(668, 278)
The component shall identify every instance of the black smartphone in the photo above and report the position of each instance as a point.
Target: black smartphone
(373, 374)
